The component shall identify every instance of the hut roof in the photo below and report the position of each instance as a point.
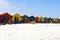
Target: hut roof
(6, 14)
(16, 14)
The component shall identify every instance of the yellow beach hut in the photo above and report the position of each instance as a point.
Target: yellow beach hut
(17, 16)
(41, 19)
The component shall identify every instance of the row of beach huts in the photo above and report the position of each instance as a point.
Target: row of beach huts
(6, 18)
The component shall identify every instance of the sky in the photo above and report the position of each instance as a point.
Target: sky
(46, 8)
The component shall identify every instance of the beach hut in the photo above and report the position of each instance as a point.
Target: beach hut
(6, 18)
(49, 20)
(25, 19)
(58, 20)
(41, 19)
(16, 18)
(45, 20)
(37, 19)
(55, 20)
(32, 19)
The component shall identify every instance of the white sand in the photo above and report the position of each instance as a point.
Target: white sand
(30, 32)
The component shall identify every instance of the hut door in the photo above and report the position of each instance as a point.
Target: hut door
(16, 20)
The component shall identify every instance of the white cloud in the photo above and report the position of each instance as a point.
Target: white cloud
(6, 6)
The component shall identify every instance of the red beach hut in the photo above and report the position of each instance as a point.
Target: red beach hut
(6, 15)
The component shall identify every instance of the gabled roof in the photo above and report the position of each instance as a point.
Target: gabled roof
(6, 14)
(16, 14)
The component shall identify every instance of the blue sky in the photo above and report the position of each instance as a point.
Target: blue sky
(48, 8)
